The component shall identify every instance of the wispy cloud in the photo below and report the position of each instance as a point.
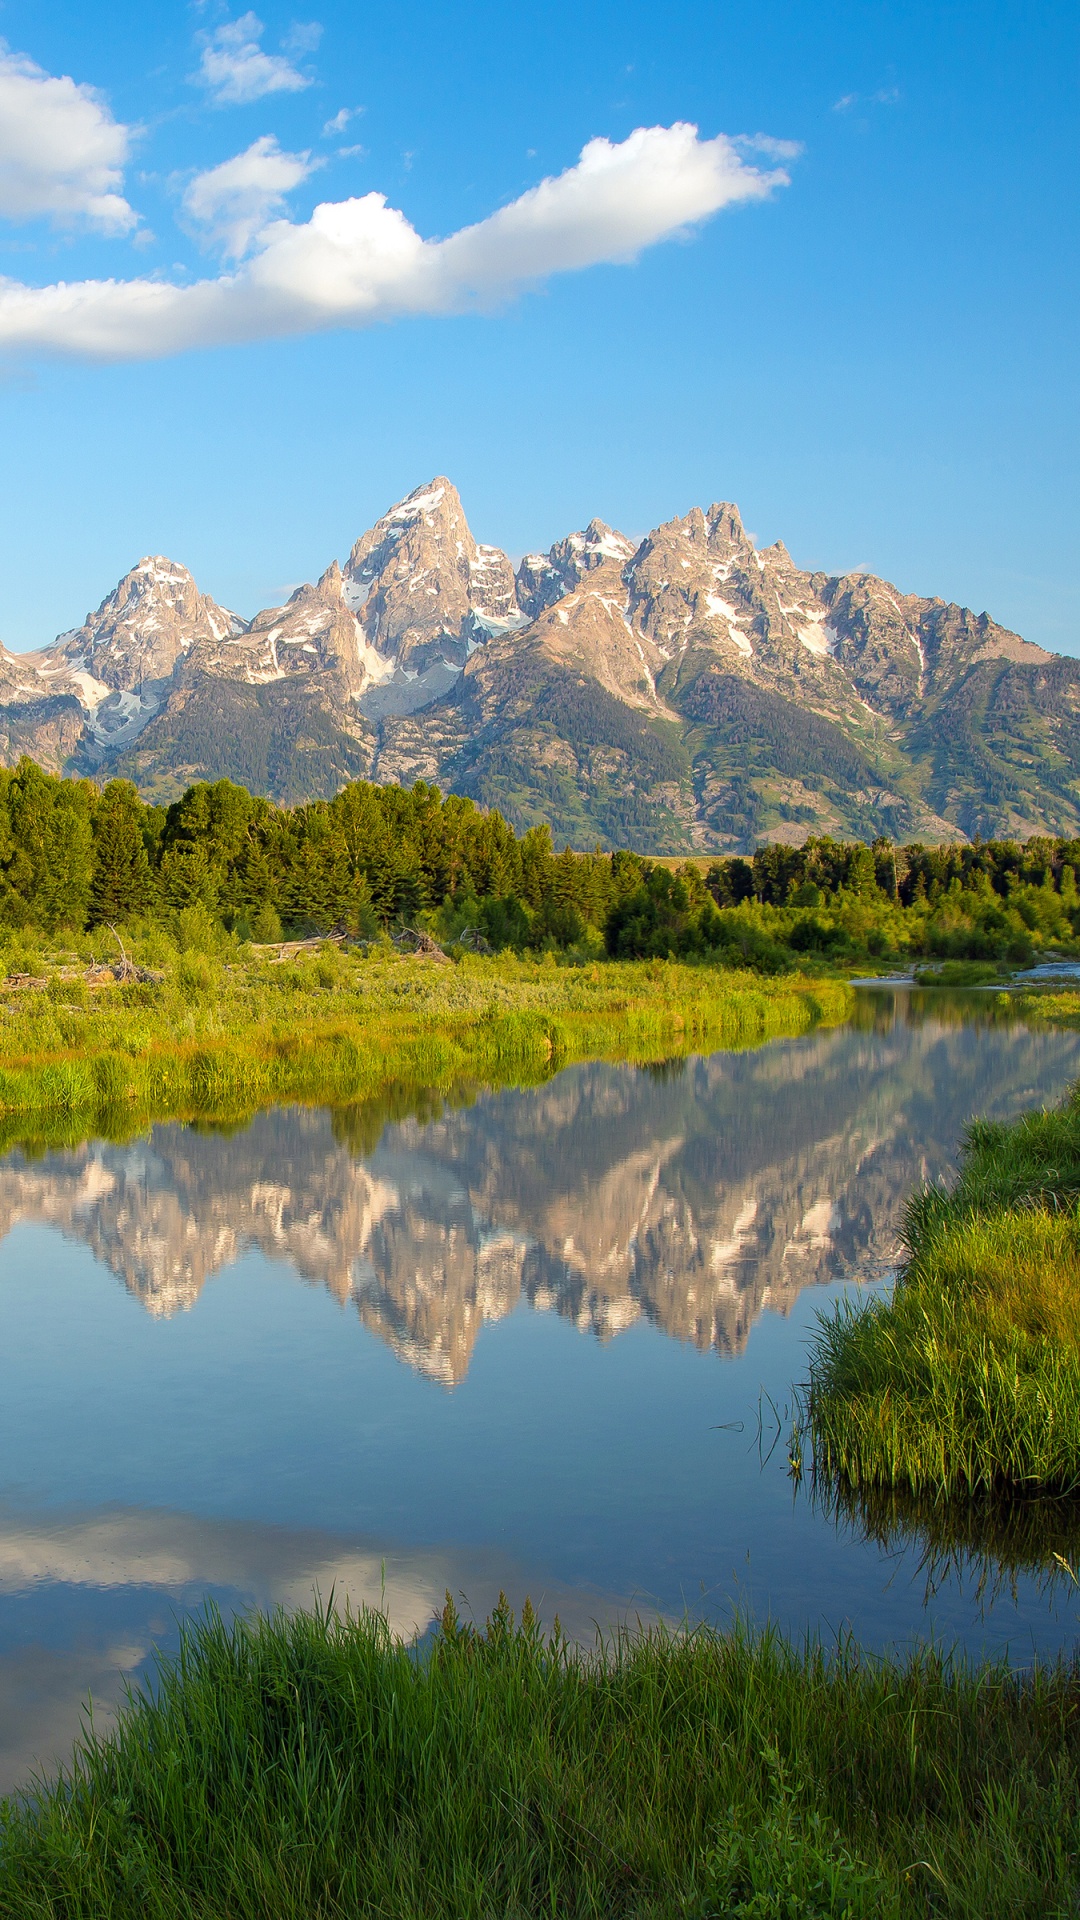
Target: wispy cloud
(359, 261)
(233, 202)
(303, 37)
(341, 120)
(61, 152)
(764, 144)
(883, 97)
(235, 70)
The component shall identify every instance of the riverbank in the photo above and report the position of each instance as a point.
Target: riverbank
(207, 1036)
(307, 1766)
(967, 1380)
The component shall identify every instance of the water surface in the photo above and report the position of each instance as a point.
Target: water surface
(530, 1342)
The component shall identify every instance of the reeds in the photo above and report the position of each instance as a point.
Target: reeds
(967, 1381)
(311, 1766)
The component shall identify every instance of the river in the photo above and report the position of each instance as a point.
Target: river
(539, 1340)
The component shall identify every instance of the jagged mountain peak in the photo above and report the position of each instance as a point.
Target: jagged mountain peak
(425, 594)
(154, 582)
(724, 522)
(433, 509)
(153, 615)
(600, 543)
(120, 663)
(545, 578)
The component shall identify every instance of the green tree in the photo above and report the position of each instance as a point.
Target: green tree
(46, 848)
(121, 886)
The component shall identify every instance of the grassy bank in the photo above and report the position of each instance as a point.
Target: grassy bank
(967, 1380)
(216, 1033)
(1050, 1004)
(306, 1767)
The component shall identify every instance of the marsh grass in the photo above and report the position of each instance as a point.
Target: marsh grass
(967, 1381)
(216, 1037)
(312, 1766)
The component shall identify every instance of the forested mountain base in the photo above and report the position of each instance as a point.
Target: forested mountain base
(375, 860)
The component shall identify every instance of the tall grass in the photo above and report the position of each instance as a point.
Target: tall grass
(214, 1038)
(967, 1381)
(310, 1766)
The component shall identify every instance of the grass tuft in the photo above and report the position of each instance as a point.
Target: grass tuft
(967, 1381)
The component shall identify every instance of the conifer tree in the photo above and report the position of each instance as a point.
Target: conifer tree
(121, 886)
(45, 848)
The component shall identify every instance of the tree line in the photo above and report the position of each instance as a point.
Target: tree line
(375, 859)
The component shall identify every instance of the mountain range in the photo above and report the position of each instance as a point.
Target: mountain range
(685, 692)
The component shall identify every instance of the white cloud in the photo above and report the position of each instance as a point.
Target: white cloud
(341, 120)
(884, 97)
(359, 261)
(235, 70)
(233, 202)
(61, 152)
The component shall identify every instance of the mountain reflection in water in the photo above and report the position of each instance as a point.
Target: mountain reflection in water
(693, 1194)
(242, 1441)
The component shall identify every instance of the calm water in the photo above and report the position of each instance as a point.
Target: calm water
(533, 1342)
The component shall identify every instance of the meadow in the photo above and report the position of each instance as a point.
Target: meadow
(221, 1027)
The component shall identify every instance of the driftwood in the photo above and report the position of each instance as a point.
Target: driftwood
(474, 941)
(105, 975)
(125, 970)
(411, 941)
(123, 974)
(285, 949)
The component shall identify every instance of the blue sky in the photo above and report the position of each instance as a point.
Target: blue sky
(876, 360)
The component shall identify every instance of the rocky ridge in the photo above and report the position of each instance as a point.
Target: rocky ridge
(689, 691)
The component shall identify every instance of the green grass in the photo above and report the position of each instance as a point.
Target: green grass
(216, 1037)
(309, 1766)
(960, 973)
(1050, 1003)
(967, 1381)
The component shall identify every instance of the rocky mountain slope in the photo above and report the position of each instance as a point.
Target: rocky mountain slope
(687, 692)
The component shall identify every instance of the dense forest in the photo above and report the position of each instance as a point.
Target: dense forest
(375, 860)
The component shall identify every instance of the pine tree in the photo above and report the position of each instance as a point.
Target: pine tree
(45, 848)
(122, 885)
